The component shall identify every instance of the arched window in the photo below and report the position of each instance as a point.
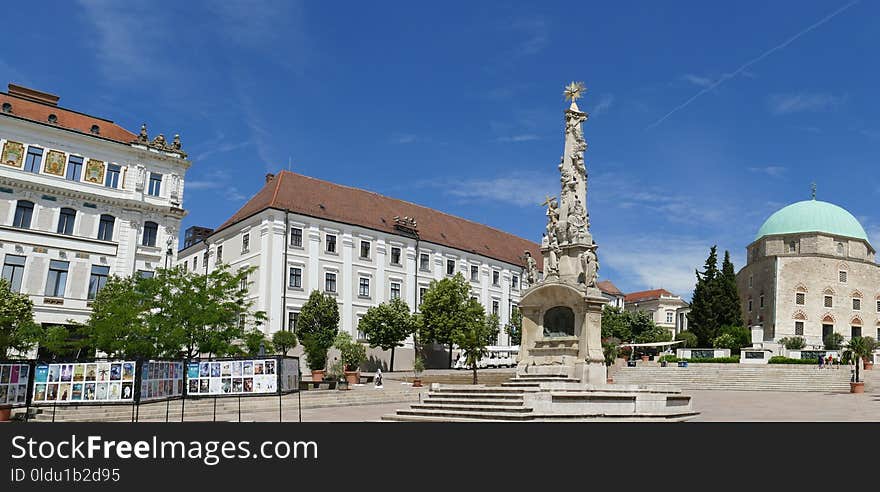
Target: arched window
(24, 210)
(105, 227)
(66, 220)
(559, 322)
(151, 229)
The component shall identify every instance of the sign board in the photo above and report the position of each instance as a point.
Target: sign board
(84, 382)
(14, 379)
(232, 377)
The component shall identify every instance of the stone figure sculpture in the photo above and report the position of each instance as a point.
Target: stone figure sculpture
(175, 143)
(160, 141)
(589, 264)
(554, 253)
(142, 137)
(531, 268)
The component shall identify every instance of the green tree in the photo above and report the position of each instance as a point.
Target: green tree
(118, 323)
(703, 317)
(833, 341)
(445, 310)
(514, 326)
(476, 332)
(616, 323)
(254, 339)
(283, 341)
(17, 328)
(726, 341)
(60, 341)
(727, 302)
(689, 339)
(351, 353)
(387, 325)
(318, 324)
(740, 336)
(860, 348)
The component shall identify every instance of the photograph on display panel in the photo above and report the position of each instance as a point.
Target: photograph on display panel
(232, 377)
(14, 378)
(84, 382)
(161, 380)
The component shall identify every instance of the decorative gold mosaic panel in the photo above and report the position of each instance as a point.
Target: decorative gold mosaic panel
(13, 154)
(55, 163)
(95, 171)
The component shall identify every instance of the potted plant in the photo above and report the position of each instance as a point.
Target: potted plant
(352, 355)
(5, 413)
(418, 367)
(859, 348)
(336, 373)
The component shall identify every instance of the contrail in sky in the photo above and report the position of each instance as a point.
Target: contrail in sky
(724, 78)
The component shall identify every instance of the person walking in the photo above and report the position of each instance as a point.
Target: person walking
(821, 362)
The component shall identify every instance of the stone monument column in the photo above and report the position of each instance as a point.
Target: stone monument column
(562, 314)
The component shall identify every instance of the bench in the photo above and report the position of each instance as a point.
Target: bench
(307, 385)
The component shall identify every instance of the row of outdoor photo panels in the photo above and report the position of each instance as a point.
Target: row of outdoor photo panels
(232, 377)
(13, 383)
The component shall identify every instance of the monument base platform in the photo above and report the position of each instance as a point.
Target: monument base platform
(549, 398)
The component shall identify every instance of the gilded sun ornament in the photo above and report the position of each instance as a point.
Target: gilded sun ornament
(574, 91)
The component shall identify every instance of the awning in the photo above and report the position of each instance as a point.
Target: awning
(655, 344)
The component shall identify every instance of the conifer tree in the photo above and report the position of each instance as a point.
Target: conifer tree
(729, 312)
(703, 318)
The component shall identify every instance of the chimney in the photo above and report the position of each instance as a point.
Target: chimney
(33, 95)
(269, 177)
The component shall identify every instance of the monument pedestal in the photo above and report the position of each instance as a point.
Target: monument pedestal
(562, 324)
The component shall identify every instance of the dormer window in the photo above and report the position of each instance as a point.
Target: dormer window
(53, 118)
(96, 130)
(840, 248)
(7, 108)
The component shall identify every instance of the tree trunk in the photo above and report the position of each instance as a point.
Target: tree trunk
(391, 367)
(475, 372)
(450, 355)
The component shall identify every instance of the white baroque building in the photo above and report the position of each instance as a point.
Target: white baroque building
(666, 309)
(304, 234)
(81, 199)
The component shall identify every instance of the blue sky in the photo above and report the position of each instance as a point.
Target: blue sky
(705, 116)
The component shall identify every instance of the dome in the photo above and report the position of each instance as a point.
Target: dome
(813, 216)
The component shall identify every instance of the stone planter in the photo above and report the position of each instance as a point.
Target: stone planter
(417, 382)
(5, 414)
(857, 387)
(353, 377)
(317, 376)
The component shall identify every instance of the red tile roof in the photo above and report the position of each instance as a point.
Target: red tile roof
(608, 287)
(647, 295)
(33, 105)
(323, 199)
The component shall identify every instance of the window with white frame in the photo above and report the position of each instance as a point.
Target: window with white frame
(829, 301)
(496, 307)
(395, 255)
(475, 273)
(799, 298)
(514, 282)
(330, 240)
(422, 291)
(799, 328)
(245, 242)
(57, 279)
(857, 304)
(365, 250)
(295, 278)
(296, 237)
(292, 318)
(219, 254)
(496, 278)
(364, 287)
(424, 262)
(670, 317)
(330, 282)
(841, 276)
(13, 271)
(450, 267)
(395, 290)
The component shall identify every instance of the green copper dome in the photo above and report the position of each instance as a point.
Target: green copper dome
(813, 216)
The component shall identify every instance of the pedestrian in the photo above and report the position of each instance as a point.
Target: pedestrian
(821, 362)
(378, 378)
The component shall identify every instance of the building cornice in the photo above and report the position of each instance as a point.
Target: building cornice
(77, 194)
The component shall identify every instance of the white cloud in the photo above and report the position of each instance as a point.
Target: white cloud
(652, 262)
(794, 103)
(604, 104)
(697, 80)
(537, 35)
(521, 189)
(772, 171)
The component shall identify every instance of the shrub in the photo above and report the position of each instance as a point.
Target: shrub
(741, 335)
(793, 343)
(689, 339)
(833, 341)
(351, 352)
(611, 349)
(669, 358)
(726, 341)
(778, 359)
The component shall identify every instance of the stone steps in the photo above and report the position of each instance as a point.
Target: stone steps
(468, 414)
(466, 401)
(736, 378)
(468, 407)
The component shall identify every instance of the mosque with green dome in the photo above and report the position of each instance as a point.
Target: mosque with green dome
(810, 272)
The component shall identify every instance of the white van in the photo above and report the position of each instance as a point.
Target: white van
(496, 356)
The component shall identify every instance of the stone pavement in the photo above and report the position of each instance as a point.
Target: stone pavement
(715, 406)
